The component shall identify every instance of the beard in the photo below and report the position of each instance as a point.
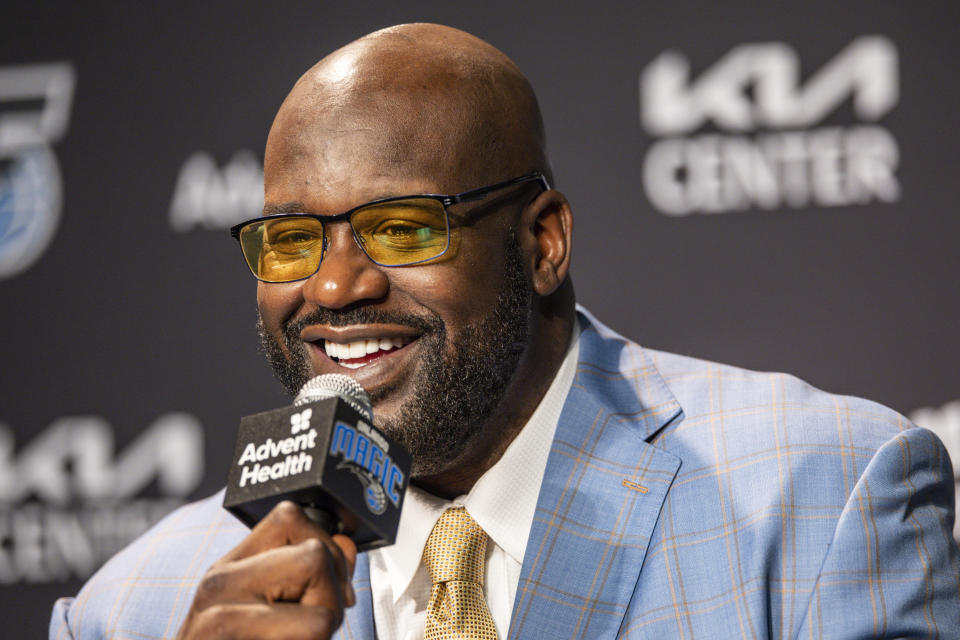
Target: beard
(458, 384)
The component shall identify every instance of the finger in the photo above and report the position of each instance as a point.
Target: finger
(336, 545)
(263, 620)
(348, 553)
(324, 586)
(303, 572)
(285, 524)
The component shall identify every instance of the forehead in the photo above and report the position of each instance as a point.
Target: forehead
(329, 151)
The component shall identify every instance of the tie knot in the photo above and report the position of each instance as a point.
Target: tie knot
(456, 548)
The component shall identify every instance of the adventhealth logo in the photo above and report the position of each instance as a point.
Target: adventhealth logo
(762, 152)
(296, 460)
(300, 421)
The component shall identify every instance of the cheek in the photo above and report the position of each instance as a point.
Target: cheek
(459, 292)
(277, 302)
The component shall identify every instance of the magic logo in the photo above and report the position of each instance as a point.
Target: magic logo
(364, 452)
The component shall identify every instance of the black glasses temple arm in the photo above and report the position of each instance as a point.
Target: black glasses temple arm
(477, 194)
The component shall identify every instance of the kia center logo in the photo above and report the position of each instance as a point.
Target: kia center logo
(70, 498)
(761, 141)
(35, 106)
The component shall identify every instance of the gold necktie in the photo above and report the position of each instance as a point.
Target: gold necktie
(454, 556)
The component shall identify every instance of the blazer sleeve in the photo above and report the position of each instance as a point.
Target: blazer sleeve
(892, 569)
(59, 625)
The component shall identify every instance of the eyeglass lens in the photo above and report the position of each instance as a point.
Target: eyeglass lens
(395, 233)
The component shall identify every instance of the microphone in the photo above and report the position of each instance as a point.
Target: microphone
(324, 454)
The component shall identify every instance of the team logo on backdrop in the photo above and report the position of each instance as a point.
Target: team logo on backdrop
(68, 501)
(764, 144)
(210, 197)
(35, 103)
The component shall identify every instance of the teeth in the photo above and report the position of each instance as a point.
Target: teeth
(357, 349)
(332, 349)
(360, 348)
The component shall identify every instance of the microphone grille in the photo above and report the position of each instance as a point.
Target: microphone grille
(336, 385)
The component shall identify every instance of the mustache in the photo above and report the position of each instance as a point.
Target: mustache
(360, 315)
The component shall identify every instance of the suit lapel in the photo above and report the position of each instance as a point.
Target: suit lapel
(601, 495)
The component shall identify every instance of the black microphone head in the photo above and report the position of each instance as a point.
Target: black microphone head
(336, 385)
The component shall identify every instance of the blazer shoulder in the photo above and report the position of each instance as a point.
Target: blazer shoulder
(735, 401)
(711, 392)
(809, 508)
(147, 587)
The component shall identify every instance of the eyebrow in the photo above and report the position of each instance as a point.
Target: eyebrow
(295, 206)
(286, 207)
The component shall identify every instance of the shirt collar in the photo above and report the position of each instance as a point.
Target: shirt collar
(517, 475)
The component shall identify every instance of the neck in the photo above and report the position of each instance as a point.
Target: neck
(539, 365)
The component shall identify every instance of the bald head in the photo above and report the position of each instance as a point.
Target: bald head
(417, 99)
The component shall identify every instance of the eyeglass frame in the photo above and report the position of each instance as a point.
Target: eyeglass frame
(445, 200)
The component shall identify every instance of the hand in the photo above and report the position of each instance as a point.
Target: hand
(287, 579)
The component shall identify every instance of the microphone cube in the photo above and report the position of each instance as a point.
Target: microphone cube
(325, 457)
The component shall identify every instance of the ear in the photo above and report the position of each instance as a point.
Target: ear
(547, 225)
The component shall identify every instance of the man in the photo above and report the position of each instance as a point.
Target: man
(604, 490)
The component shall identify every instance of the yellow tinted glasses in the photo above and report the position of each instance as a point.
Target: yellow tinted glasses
(393, 232)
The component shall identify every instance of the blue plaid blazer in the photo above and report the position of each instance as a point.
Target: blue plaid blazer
(682, 499)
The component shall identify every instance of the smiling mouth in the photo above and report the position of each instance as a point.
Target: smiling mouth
(360, 353)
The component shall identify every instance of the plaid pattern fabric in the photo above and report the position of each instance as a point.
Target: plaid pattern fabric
(762, 508)
(765, 508)
(145, 591)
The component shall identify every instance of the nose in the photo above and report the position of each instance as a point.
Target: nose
(346, 275)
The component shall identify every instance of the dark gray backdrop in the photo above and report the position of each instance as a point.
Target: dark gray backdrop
(137, 318)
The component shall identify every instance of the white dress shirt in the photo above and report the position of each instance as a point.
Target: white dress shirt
(502, 502)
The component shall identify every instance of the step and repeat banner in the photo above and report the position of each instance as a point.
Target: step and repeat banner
(772, 187)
